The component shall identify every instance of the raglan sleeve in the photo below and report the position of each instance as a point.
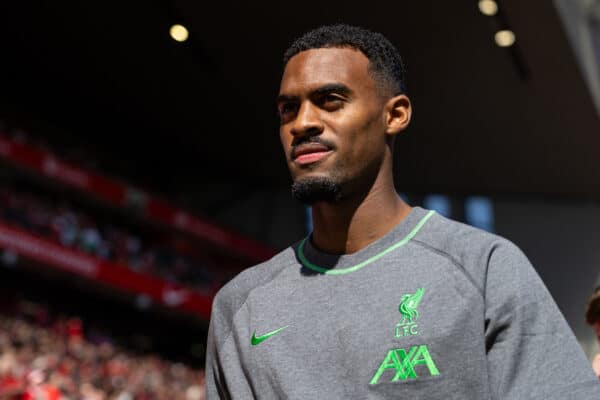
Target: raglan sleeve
(224, 373)
(216, 387)
(531, 351)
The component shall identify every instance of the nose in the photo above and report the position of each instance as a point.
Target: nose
(308, 121)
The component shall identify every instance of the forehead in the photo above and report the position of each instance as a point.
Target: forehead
(313, 68)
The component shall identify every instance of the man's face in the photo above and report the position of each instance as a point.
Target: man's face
(332, 120)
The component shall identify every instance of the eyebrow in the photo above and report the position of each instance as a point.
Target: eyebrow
(321, 90)
(333, 88)
(284, 98)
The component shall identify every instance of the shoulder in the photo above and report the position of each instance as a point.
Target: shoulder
(473, 251)
(231, 297)
(460, 241)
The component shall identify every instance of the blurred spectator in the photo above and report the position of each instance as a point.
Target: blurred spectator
(90, 240)
(64, 225)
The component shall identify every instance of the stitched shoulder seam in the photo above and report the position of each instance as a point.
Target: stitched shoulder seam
(453, 260)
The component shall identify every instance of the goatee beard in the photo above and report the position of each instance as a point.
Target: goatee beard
(313, 190)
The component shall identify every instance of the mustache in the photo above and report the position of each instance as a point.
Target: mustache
(310, 139)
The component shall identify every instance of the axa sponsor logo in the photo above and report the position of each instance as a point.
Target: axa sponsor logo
(400, 364)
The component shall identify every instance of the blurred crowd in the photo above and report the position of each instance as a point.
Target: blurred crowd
(63, 223)
(43, 357)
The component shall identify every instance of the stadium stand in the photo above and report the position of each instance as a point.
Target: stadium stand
(105, 289)
(58, 211)
(17, 151)
(51, 357)
(69, 227)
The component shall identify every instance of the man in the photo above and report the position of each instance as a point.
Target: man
(382, 300)
(592, 317)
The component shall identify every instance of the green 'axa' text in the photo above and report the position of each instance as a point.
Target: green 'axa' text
(403, 363)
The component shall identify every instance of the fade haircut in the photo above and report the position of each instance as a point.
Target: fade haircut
(385, 64)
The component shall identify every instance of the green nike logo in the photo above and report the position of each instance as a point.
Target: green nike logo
(259, 339)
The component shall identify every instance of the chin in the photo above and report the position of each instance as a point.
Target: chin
(313, 189)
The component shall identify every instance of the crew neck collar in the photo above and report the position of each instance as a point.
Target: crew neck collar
(339, 264)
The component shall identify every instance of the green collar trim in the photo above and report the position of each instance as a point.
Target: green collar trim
(356, 267)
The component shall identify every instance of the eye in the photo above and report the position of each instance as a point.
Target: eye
(286, 108)
(332, 102)
(286, 111)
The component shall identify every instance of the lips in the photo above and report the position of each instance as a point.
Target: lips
(307, 153)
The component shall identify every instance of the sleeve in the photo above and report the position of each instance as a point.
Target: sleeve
(531, 351)
(225, 373)
(216, 387)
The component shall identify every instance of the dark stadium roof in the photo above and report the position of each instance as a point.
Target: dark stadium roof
(487, 120)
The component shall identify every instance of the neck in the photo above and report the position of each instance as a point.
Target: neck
(354, 223)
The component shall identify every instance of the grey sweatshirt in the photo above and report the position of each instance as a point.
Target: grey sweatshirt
(433, 310)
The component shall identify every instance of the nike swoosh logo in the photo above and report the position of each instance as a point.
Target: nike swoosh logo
(259, 339)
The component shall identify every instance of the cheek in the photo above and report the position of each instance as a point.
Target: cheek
(285, 139)
(368, 137)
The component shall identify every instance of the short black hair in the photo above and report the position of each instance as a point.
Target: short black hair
(385, 63)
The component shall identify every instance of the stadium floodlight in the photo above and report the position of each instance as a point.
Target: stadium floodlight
(179, 33)
(488, 7)
(505, 38)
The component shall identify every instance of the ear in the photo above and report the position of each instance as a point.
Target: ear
(398, 111)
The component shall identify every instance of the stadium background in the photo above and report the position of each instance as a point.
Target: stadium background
(138, 174)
